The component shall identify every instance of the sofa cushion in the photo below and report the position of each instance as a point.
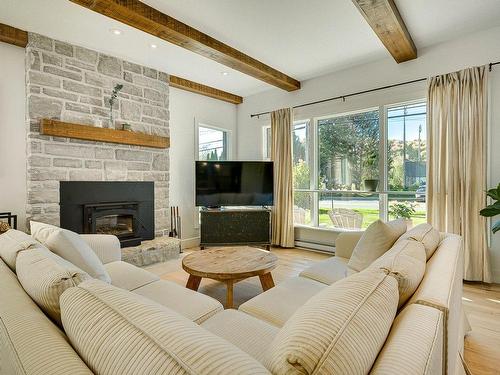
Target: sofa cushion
(30, 344)
(45, 276)
(11, 243)
(250, 334)
(425, 234)
(375, 241)
(194, 306)
(329, 270)
(414, 345)
(338, 331)
(70, 246)
(119, 332)
(278, 304)
(129, 277)
(406, 259)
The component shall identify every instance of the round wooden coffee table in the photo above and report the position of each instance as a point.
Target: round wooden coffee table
(230, 265)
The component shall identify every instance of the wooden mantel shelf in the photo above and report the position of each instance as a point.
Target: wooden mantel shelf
(91, 133)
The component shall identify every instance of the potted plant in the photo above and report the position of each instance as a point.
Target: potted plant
(494, 208)
(402, 210)
(371, 165)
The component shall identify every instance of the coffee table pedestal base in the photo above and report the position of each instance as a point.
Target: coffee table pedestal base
(266, 281)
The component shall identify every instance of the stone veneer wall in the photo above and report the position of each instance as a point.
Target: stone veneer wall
(74, 84)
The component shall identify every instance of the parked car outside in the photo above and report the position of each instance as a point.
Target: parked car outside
(421, 192)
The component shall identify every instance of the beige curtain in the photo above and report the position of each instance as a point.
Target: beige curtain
(456, 128)
(281, 154)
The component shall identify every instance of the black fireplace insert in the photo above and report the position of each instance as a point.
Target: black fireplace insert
(124, 209)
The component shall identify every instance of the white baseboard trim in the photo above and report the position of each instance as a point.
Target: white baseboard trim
(315, 246)
(188, 243)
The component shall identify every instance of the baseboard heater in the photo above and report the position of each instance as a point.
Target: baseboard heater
(315, 246)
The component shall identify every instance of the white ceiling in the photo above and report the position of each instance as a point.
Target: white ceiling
(303, 39)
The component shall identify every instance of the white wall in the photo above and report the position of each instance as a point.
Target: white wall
(187, 109)
(475, 49)
(12, 132)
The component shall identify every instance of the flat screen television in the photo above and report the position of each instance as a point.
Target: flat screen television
(234, 183)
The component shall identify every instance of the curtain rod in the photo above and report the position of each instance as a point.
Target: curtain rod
(343, 97)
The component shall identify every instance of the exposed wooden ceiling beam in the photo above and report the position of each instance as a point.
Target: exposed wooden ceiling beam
(11, 35)
(143, 17)
(384, 18)
(198, 88)
(17, 37)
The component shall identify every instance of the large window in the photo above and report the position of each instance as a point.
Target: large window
(352, 169)
(212, 144)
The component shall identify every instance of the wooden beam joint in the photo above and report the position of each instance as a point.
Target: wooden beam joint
(11, 35)
(198, 88)
(384, 18)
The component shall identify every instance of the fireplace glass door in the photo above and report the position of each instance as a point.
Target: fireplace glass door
(118, 225)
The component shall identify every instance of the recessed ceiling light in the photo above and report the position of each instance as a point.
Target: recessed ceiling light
(153, 46)
(116, 31)
(224, 73)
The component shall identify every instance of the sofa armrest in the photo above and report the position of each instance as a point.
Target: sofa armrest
(106, 246)
(346, 242)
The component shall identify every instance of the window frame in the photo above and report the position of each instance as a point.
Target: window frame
(313, 149)
(227, 132)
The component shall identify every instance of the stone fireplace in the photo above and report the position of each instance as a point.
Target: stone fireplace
(73, 84)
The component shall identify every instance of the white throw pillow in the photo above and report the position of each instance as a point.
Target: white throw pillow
(119, 332)
(70, 246)
(340, 330)
(375, 241)
(45, 276)
(406, 261)
(11, 243)
(427, 235)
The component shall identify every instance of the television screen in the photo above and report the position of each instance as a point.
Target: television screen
(234, 183)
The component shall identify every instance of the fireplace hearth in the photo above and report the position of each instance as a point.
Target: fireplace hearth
(123, 209)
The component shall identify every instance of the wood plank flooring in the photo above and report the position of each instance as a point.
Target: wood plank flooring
(481, 303)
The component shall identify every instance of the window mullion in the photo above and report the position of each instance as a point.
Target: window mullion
(314, 160)
(383, 160)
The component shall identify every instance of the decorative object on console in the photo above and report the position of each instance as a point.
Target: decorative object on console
(11, 221)
(494, 208)
(112, 100)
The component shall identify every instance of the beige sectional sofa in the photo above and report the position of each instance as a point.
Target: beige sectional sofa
(330, 319)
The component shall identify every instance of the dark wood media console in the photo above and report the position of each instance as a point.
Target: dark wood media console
(235, 226)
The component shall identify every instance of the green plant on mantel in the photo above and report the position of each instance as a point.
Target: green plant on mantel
(112, 100)
(494, 208)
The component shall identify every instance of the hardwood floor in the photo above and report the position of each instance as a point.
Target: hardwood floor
(481, 303)
(482, 344)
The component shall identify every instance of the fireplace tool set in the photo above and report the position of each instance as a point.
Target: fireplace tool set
(175, 222)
